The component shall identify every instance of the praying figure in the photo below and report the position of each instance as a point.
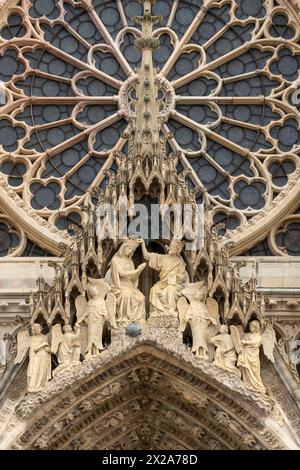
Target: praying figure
(39, 366)
(249, 361)
(225, 355)
(66, 346)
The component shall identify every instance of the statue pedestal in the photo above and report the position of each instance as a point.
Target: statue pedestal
(167, 323)
(163, 321)
(165, 326)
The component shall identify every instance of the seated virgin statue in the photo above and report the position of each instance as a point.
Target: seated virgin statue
(124, 284)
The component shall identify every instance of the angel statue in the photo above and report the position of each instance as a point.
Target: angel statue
(124, 282)
(225, 356)
(247, 347)
(202, 314)
(39, 367)
(172, 273)
(100, 308)
(66, 346)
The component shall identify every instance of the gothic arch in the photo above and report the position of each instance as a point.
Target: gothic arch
(144, 390)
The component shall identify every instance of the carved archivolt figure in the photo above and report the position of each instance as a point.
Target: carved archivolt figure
(100, 308)
(66, 346)
(248, 350)
(172, 273)
(39, 367)
(225, 354)
(124, 282)
(200, 314)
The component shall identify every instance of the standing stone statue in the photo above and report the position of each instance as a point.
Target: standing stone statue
(66, 346)
(172, 273)
(248, 347)
(39, 366)
(100, 308)
(124, 283)
(200, 313)
(225, 356)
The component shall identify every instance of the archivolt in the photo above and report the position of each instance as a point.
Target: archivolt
(142, 399)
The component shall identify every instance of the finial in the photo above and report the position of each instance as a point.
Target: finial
(147, 21)
(147, 6)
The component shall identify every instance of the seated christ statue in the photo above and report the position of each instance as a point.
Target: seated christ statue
(172, 273)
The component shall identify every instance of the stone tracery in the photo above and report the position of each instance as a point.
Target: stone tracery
(66, 71)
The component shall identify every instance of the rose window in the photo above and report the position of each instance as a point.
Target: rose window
(232, 70)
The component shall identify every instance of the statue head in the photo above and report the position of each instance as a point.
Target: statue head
(223, 329)
(128, 248)
(67, 328)
(176, 247)
(254, 326)
(97, 288)
(36, 329)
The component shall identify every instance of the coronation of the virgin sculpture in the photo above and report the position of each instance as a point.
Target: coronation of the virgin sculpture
(114, 338)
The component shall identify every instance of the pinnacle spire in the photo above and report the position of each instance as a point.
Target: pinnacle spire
(147, 169)
(147, 122)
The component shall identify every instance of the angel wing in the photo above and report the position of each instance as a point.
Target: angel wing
(213, 310)
(56, 338)
(23, 343)
(268, 342)
(111, 305)
(236, 339)
(80, 304)
(182, 306)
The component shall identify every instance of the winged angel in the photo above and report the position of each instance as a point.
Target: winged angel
(66, 346)
(202, 314)
(247, 346)
(100, 308)
(39, 367)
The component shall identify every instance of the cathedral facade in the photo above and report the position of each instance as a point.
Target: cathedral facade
(149, 225)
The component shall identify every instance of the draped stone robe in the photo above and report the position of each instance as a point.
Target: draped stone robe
(130, 301)
(166, 292)
(68, 351)
(225, 355)
(249, 362)
(199, 320)
(96, 314)
(39, 367)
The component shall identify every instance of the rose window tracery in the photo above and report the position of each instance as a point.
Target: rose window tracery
(228, 74)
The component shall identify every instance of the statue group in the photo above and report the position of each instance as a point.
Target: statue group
(118, 302)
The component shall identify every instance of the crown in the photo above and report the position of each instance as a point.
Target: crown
(130, 242)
